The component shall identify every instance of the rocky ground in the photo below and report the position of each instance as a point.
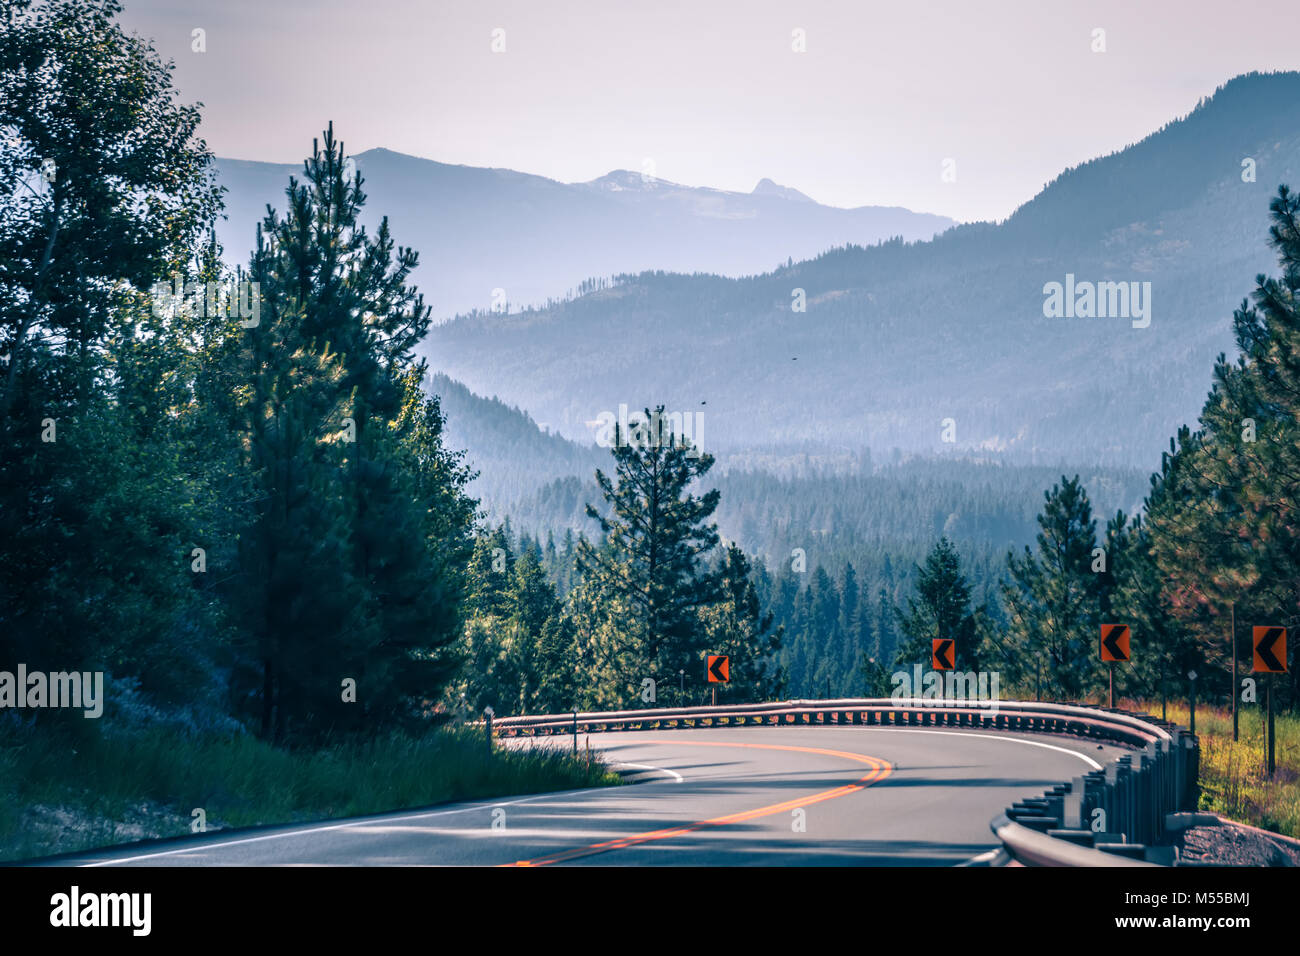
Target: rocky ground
(1229, 844)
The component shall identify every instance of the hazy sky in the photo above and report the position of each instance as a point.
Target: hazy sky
(711, 91)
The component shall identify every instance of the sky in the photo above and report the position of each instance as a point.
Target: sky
(959, 107)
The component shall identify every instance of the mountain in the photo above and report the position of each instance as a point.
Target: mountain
(766, 187)
(480, 230)
(856, 511)
(900, 337)
(513, 455)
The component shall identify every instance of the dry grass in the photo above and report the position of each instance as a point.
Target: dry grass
(1233, 779)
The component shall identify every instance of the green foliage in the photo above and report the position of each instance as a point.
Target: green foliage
(353, 551)
(1216, 542)
(232, 518)
(73, 788)
(737, 627)
(647, 578)
(941, 609)
(105, 188)
(1223, 511)
(1233, 776)
(518, 644)
(1052, 596)
(105, 184)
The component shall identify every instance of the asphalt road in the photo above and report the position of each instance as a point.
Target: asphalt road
(745, 796)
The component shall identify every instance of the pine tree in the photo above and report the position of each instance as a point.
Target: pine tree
(941, 609)
(824, 639)
(737, 627)
(344, 573)
(1052, 596)
(850, 625)
(885, 615)
(1223, 512)
(649, 574)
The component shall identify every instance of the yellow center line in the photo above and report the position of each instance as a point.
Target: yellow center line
(880, 769)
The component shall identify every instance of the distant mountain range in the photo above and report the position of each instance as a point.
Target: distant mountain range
(907, 344)
(532, 238)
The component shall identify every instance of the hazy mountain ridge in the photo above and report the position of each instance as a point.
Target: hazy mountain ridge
(901, 336)
(512, 454)
(479, 230)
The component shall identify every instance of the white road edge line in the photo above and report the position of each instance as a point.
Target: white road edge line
(677, 777)
(1015, 740)
(199, 848)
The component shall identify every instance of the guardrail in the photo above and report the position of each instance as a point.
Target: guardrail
(1111, 817)
(1117, 816)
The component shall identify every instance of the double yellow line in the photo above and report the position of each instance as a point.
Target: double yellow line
(880, 769)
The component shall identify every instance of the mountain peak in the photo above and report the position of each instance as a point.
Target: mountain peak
(623, 180)
(766, 187)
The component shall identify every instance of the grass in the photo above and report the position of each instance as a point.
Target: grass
(1233, 779)
(69, 788)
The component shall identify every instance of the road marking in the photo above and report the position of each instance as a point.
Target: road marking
(645, 766)
(371, 821)
(1015, 740)
(880, 769)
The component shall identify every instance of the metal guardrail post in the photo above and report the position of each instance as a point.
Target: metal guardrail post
(1192, 760)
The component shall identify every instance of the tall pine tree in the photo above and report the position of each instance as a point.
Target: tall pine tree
(648, 576)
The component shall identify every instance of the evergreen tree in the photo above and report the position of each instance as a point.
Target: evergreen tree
(649, 574)
(886, 632)
(1223, 511)
(343, 576)
(941, 609)
(1052, 596)
(736, 627)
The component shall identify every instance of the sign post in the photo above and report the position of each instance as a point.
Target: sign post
(1114, 647)
(1270, 658)
(1232, 649)
(719, 672)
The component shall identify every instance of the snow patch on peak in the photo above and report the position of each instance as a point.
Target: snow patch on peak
(766, 187)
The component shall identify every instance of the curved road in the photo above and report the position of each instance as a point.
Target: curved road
(725, 796)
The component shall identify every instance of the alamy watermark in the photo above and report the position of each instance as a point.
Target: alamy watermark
(74, 908)
(58, 689)
(945, 688)
(656, 429)
(242, 300)
(1098, 300)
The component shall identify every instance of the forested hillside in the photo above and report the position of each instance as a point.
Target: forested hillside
(894, 339)
(510, 455)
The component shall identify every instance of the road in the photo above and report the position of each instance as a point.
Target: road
(740, 796)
